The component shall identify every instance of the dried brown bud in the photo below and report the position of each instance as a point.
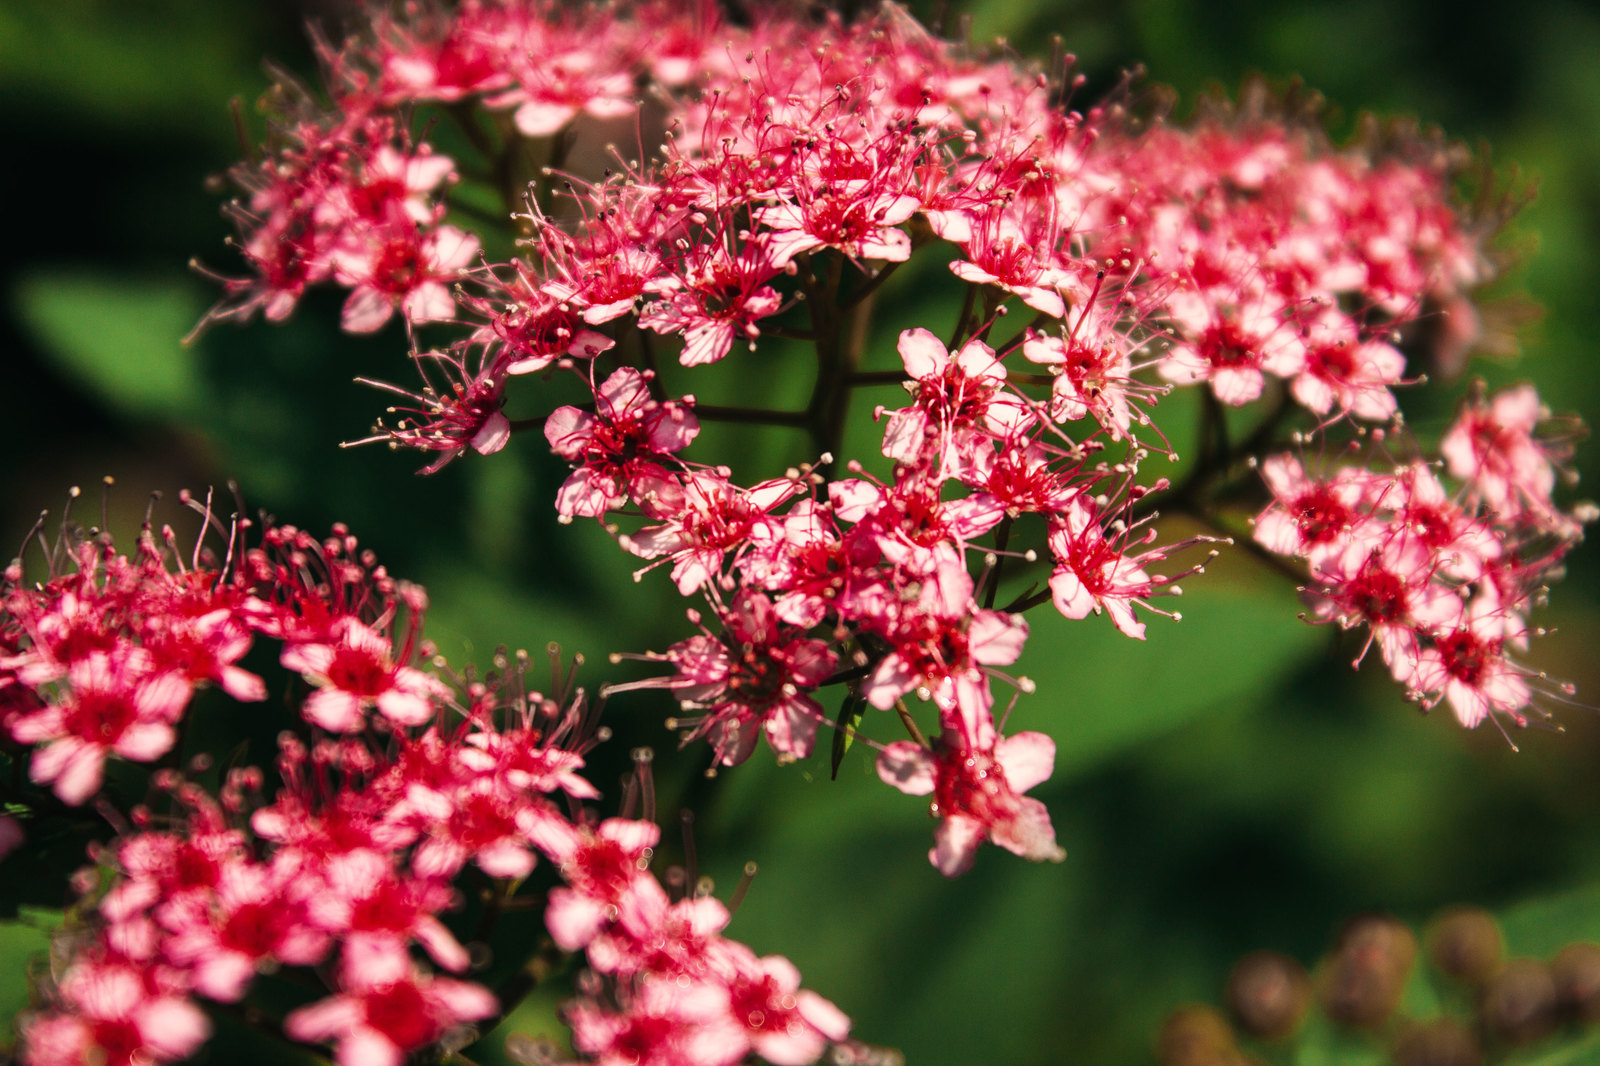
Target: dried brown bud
(1196, 1036)
(1439, 1042)
(1361, 983)
(1576, 971)
(1465, 944)
(1268, 994)
(1519, 1002)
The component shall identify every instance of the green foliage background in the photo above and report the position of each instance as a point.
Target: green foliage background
(1229, 785)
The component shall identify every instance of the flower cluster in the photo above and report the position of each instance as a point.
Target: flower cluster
(341, 196)
(1104, 258)
(348, 867)
(1442, 579)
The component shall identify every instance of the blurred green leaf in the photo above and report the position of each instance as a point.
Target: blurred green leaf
(109, 61)
(22, 940)
(1540, 927)
(120, 336)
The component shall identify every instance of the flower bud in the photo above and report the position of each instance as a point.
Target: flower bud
(1465, 944)
(1439, 1042)
(1268, 994)
(1519, 1002)
(1361, 984)
(1196, 1036)
(1576, 971)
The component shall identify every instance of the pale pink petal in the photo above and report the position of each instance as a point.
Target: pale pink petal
(1027, 758)
(75, 767)
(797, 1046)
(366, 310)
(505, 860)
(335, 710)
(440, 943)
(893, 678)
(242, 685)
(174, 1028)
(955, 844)
(908, 767)
(1070, 596)
(467, 1002)
(631, 835)
(145, 741)
(307, 658)
(403, 708)
(1121, 612)
(573, 919)
(223, 975)
(492, 435)
(828, 1019)
(163, 697)
(924, 354)
(428, 302)
(364, 1046)
(539, 118)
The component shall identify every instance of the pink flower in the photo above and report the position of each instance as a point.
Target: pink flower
(713, 298)
(601, 867)
(354, 670)
(115, 703)
(254, 918)
(399, 266)
(1467, 666)
(625, 440)
(1493, 449)
(1310, 517)
(378, 1024)
(857, 220)
(705, 517)
(750, 682)
(786, 1025)
(463, 412)
(1093, 573)
(1230, 346)
(113, 1014)
(977, 795)
(666, 1021)
(960, 404)
(1390, 586)
(1343, 373)
(1002, 254)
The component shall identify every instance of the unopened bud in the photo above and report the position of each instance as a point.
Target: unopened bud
(1519, 1003)
(1268, 994)
(1362, 982)
(1196, 1036)
(1465, 944)
(1577, 975)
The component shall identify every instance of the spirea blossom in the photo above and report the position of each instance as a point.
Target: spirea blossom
(345, 868)
(1105, 262)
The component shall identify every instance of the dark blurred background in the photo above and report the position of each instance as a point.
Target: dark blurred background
(1229, 785)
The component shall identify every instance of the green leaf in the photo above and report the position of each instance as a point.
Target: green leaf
(120, 336)
(22, 941)
(844, 732)
(1540, 927)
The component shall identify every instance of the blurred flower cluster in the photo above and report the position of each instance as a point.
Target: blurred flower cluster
(1469, 1006)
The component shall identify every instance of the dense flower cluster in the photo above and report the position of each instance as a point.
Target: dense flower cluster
(1443, 580)
(411, 774)
(1106, 257)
